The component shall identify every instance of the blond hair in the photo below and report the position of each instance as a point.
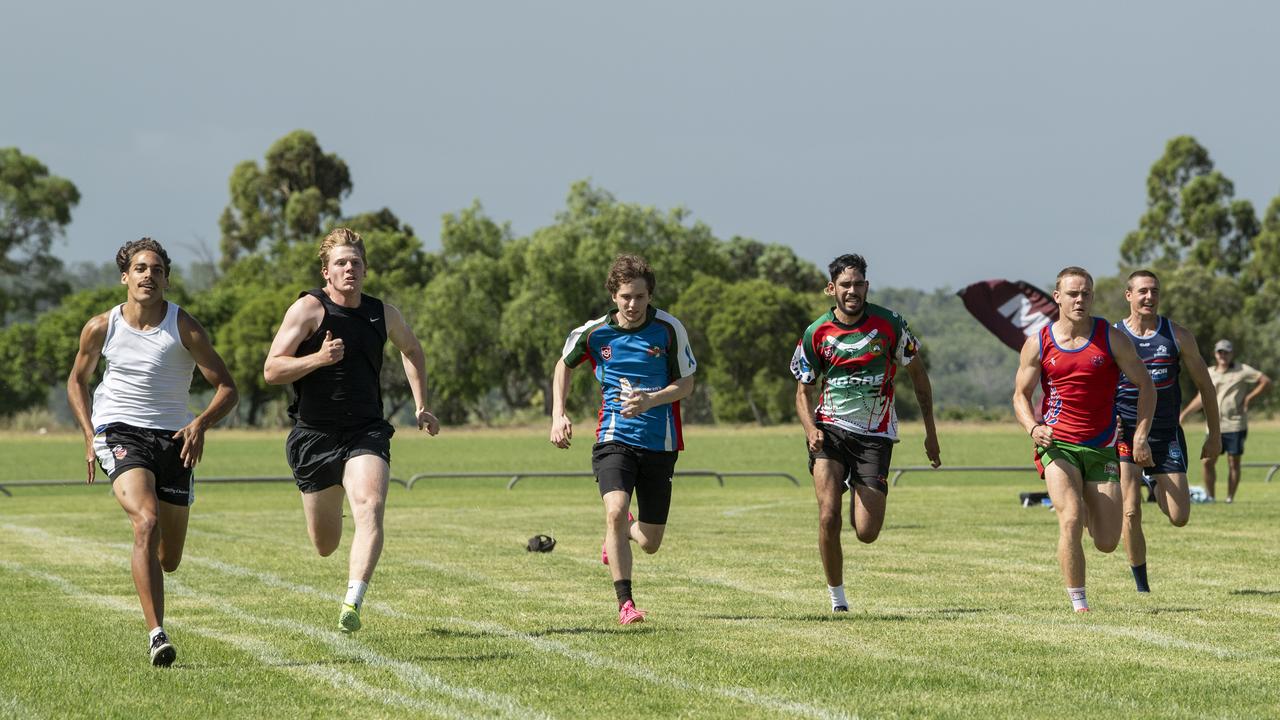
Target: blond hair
(337, 238)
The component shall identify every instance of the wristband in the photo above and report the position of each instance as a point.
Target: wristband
(1032, 433)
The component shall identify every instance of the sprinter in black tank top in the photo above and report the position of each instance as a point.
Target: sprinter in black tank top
(330, 347)
(1145, 325)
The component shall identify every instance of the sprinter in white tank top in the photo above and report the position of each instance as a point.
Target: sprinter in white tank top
(138, 425)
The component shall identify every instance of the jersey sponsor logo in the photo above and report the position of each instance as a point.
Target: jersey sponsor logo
(119, 452)
(374, 320)
(1111, 469)
(854, 380)
(1162, 350)
(655, 351)
(606, 352)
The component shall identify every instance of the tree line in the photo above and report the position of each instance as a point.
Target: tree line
(493, 309)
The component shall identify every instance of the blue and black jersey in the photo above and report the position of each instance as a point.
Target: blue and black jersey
(1159, 352)
(648, 358)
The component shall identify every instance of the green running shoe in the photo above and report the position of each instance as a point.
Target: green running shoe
(349, 620)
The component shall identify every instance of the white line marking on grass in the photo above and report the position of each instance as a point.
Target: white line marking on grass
(411, 674)
(734, 512)
(12, 707)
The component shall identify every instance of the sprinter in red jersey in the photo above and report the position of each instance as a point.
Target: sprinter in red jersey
(1077, 361)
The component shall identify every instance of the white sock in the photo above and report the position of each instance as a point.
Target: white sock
(1078, 602)
(355, 593)
(837, 596)
(154, 632)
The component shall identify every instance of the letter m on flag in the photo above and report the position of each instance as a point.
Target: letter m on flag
(1012, 311)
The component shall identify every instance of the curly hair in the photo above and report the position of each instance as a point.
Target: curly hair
(625, 269)
(126, 252)
(844, 262)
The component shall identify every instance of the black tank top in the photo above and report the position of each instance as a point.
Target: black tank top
(346, 394)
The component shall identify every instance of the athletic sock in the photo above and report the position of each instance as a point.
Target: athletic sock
(623, 590)
(1140, 577)
(1078, 603)
(837, 597)
(355, 593)
(151, 637)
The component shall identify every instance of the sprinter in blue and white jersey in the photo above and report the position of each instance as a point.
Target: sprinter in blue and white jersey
(643, 362)
(1166, 348)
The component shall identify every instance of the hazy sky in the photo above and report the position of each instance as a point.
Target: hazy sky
(947, 142)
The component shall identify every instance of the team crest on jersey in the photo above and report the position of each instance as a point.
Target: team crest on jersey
(655, 351)
(1162, 350)
(1097, 360)
(606, 352)
(119, 452)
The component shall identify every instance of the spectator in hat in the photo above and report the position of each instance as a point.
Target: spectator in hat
(1237, 385)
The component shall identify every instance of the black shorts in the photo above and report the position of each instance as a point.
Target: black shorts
(122, 447)
(1233, 442)
(646, 473)
(318, 458)
(865, 457)
(1168, 448)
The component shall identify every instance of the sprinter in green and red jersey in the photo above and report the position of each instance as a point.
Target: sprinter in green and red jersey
(856, 348)
(1078, 360)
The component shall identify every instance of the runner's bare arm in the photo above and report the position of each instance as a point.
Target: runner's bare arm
(415, 366)
(1207, 397)
(1024, 386)
(806, 401)
(1126, 356)
(561, 426)
(214, 370)
(924, 397)
(639, 402)
(301, 320)
(92, 337)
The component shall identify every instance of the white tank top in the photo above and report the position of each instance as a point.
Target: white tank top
(148, 375)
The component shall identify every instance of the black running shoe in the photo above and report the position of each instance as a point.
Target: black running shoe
(840, 608)
(162, 651)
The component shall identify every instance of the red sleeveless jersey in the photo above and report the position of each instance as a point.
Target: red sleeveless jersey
(1079, 388)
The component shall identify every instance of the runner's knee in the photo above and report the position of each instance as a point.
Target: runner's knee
(868, 534)
(145, 527)
(169, 561)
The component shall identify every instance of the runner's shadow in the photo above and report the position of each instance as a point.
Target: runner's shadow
(1172, 610)
(591, 631)
(572, 632)
(1263, 593)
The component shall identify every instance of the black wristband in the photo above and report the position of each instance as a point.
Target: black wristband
(1032, 432)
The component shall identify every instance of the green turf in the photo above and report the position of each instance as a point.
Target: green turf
(958, 609)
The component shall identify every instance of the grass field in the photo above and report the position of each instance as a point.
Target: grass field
(958, 609)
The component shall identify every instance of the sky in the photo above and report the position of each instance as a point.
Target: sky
(946, 142)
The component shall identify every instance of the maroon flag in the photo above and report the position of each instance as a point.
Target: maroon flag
(1012, 311)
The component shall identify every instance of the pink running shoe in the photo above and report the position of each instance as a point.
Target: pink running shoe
(604, 554)
(628, 614)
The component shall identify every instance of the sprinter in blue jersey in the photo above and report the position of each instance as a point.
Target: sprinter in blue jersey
(643, 362)
(1166, 348)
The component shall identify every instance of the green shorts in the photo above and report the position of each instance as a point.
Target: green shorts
(1096, 465)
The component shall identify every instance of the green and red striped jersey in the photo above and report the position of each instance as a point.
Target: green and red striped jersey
(857, 364)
